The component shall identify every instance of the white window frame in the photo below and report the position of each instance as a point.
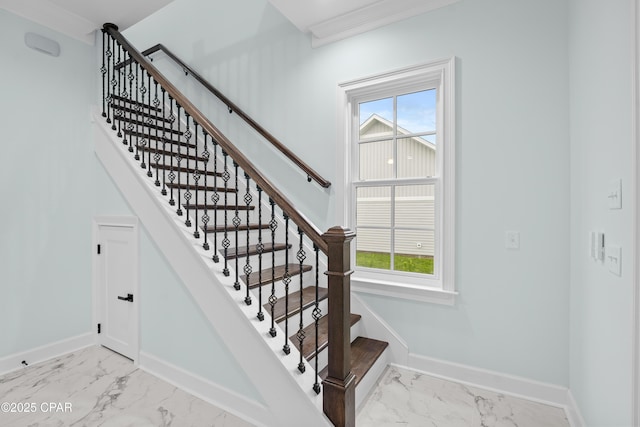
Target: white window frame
(439, 287)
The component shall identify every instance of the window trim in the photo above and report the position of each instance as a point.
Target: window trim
(440, 289)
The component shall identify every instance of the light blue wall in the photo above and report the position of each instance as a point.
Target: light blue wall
(46, 188)
(513, 152)
(52, 186)
(172, 327)
(601, 150)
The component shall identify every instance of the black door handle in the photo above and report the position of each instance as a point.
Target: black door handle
(129, 298)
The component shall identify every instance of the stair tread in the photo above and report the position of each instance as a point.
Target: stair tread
(309, 343)
(244, 227)
(171, 153)
(253, 250)
(155, 127)
(159, 138)
(308, 299)
(364, 354)
(219, 206)
(133, 102)
(199, 187)
(139, 113)
(184, 169)
(278, 274)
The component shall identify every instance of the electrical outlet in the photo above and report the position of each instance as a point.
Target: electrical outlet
(614, 259)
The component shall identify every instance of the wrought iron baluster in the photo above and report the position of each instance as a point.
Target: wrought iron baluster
(172, 170)
(225, 241)
(187, 192)
(205, 217)
(109, 95)
(157, 115)
(236, 223)
(317, 314)
(215, 198)
(273, 299)
(123, 113)
(286, 280)
(301, 256)
(130, 125)
(138, 108)
(103, 71)
(143, 142)
(260, 251)
(247, 267)
(164, 145)
(117, 88)
(149, 121)
(178, 156)
(196, 179)
(112, 82)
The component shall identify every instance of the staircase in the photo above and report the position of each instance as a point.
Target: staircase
(295, 279)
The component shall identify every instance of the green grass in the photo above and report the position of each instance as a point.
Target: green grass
(411, 263)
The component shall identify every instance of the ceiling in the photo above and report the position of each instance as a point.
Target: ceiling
(79, 18)
(331, 20)
(325, 20)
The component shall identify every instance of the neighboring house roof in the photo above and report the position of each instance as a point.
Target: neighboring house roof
(374, 119)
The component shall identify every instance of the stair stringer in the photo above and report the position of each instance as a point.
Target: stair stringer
(289, 397)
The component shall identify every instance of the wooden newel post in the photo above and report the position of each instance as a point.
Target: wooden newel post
(340, 385)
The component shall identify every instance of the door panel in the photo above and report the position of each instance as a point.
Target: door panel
(117, 279)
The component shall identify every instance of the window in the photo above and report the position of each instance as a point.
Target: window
(399, 176)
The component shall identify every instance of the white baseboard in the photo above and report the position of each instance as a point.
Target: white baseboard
(13, 362)
(546, 393)
(573, 412)
(228, 400)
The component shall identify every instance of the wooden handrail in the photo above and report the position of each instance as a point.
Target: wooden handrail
(247, 166)
(233, 108)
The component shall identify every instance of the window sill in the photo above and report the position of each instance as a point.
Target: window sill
(401, 290)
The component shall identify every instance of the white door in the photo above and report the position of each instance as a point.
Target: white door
(117, 301)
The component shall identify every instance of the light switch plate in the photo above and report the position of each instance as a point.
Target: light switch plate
(613, 256)
(614, 194)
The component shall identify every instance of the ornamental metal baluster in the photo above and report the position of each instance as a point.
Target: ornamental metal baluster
(164, 140)
(187, 192)
(172, 171)
(301, 256)
(143, 142)
(317, 314)
(117, 83)
(236, 223)
(113, 82)
(178, 156)
(215, 198)
(157, 115)
(225, 241)
(260, 251)
(138, 108)
(130, 125)
(108, 98)
(125, 99)
(273, 299)
(149, 121)
(286, 280)
(196, 179)
(104, 70)
(205, 217)
(247, 267)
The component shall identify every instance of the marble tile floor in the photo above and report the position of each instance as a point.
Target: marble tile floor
(407, 398)
(95, 387)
